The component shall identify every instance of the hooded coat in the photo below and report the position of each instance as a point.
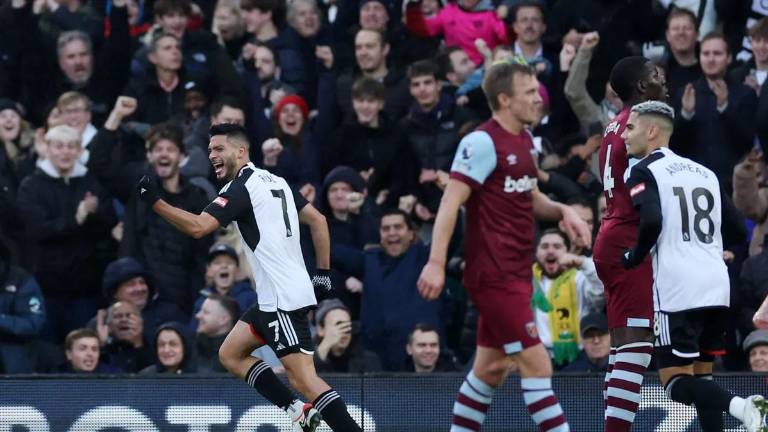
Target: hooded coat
(66, 258)
(188, 363)
(157, 311)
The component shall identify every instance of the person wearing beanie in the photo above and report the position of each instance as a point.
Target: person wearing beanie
(756, 348)
(294, 154)
(127, 279)
(351, 221)
(338, 348)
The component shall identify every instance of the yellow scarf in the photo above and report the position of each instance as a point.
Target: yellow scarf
(562, 305)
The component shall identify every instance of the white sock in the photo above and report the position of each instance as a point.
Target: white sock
(736, 407)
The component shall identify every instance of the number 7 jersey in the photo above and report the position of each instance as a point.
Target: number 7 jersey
(618, 229)
(264, 210)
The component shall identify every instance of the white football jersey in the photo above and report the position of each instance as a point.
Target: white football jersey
(688, 267)
(264, 211)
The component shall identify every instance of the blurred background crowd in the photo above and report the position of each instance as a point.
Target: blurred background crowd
(360, 106)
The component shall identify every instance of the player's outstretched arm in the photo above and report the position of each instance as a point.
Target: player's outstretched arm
(193, 225)
(575, 227)
(321, 239)
(432, 277)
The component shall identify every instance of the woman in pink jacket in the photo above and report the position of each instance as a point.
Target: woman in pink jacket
(461, 23)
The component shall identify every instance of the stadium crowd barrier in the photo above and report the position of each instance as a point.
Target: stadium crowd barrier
(380, 402)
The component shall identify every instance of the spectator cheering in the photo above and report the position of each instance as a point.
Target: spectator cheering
(125, 346)
(223, 264)
(82, 348)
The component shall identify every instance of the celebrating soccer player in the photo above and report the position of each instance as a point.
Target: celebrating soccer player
(266, 213)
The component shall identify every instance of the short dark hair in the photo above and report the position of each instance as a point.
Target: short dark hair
(423, 68)
(625, 75)
(555, 231)
(229, 305)
(579, 200)
(443, 59)
(167, 7)
(677, 12)
(165, 131)
(527, 4)
(77, 334)
(366, 87)
(277, 7)
(395, 212)
(759, 30)
(218, 105)
(424, 328)
(499, 79)
(230, 131)
(716, 35)
(382, 35)
(275, 53)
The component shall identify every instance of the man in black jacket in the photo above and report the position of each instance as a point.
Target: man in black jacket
(371, 54)
(366, 139)
(202, 56)
(68, 217)
(126, 347)
(100, 73)
(128, 280)
(430, 131)
(716, 125)
(176, 261)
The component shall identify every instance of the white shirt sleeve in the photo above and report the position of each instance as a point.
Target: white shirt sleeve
(476, 157)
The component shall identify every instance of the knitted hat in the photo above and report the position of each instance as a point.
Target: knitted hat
(288, 100)
(757, 337)
(6, 103)
(326, 306)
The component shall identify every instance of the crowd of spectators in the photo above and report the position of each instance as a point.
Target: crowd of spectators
(360, 106)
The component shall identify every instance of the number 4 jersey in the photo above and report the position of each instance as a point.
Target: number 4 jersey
(688, 268)
(265, 212)
(618, 229)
